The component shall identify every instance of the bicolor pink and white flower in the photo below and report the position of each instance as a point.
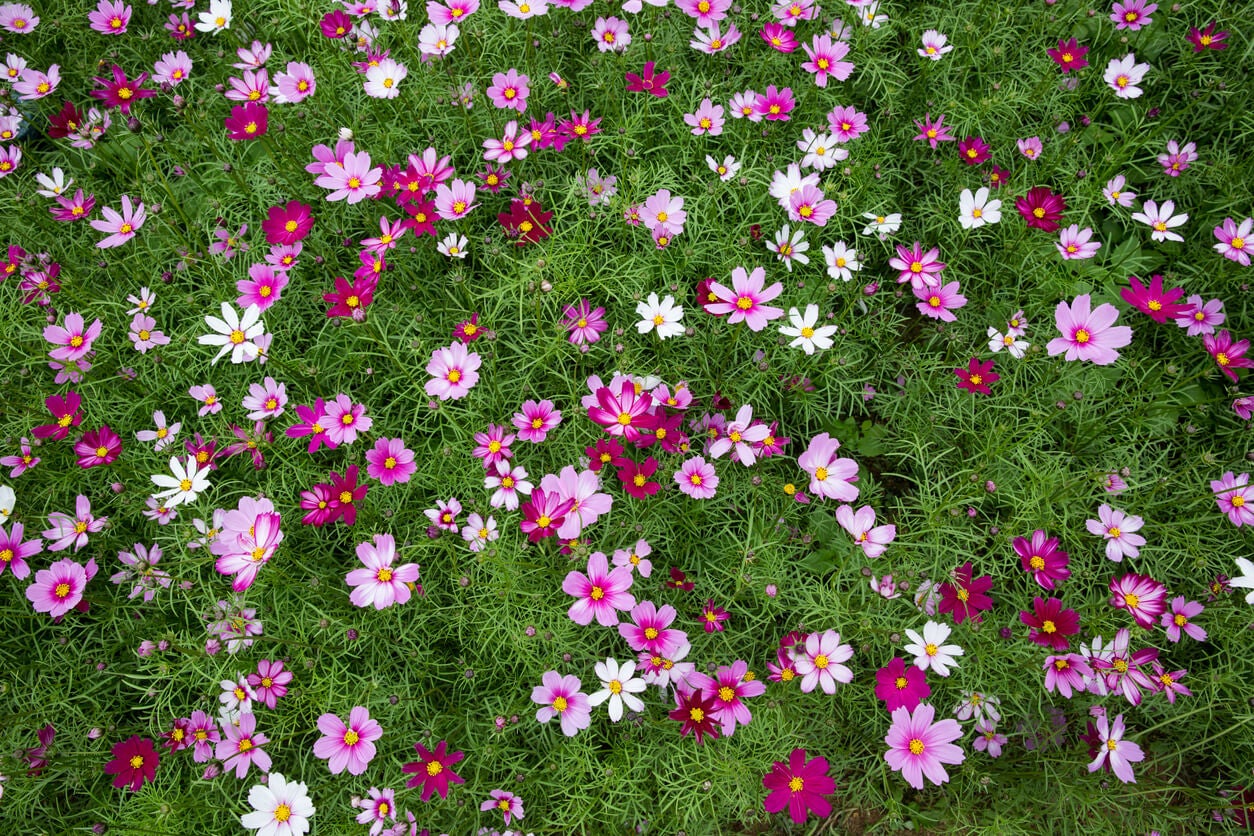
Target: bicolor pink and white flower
(381, 584)
(1118, 530)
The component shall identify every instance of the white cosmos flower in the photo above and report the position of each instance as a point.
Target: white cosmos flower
(929, 649)
(976, 210)
(789, 246)
(618, 685)
(1161, 220)
(280, 808)
(54, 185)
(881, 225)
(842, 261)
(808, 337)
(8, 500)
(453, 245)
(821, 150)
(235, 333)
(217, 18)
(184, 485)
(1012, 343)
(665, 317)
(725, 170)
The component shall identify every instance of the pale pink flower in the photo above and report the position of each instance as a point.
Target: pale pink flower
(380, 584)
(348, 745)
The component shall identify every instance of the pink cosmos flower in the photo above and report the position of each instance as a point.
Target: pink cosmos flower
(247, 121)
(800, 785)
(1075, 243)
(244, 555)
(601, 593)
(901, 686)
(1178, 620)
(110, 18)
(636, 558)
(535, 420)
(543, 513)
(584, 322)
(846, 123)
(1114, 752)
(122, 227)
(444, 515)
(648, 81)
(918, 747)
(826, 58)
(454, 372)
(269, 682)
(1177, 158)
(697, 478)
(917, 267)
(13, 551)
(933, 132)
(624, 414)
(1067, 674)
(1088, 334)
(1069, 55)
(1132, 15)
(348, 745)
(1124, 74)
(354, 181)
(612, 35)
(240, 746)
(861, 526)
(778, 37)
(775, 104)
(1236, 243)
(558, 696)
(809, 205)
(59, 588)
(729, 687)
(973, 150)
(712, 617)
(650, 630)
(705, 12)
(1229, 354)
(1233, 495)
(1041, 556)
(433, 770)
(744, 301)
(69, 531)
(380, 584)
(508, 803)
(1199, 317)
(739, 436)
(820, 665)
(830, 477)
(661, 208)
(345, 419)
(455, 201)
(390, 462)
(73, 341)
(1141, 595)
(589, 503)
(706, 120)
(511, 146)
(295, 84)
(940, 302)
(509, 90)
(1117, 528)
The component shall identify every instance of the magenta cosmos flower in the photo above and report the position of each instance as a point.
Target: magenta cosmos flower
(1153, 300)
(600, 593)
(728, 688)
(380, 584)
(917, 747)
(976, 377)
(134, 761)
(1141, 595)
(1088, 334)
(900, 685)
(73, 342)
(59, 588)
(509, 90)
(1042, 556)
(917, 267)
(1228, 353)
(348, 746)
(390, 462)
(122, 92)
(240, 747)
(248, 121)
(933, 132)
(744, 300)
(1069, 55)
(800, 786)
(1050, 624)
(13, 552)
(648, 81)
(536, 419)
(559, 696)
(454, 372)
(1042, 209)
(287, 224)
(433, 770)
(584, 322)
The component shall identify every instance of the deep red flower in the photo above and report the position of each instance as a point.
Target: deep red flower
(976, 376)
(713, 616)
(65, 414)
(1208, 38)
(1069, 55)
(1156, 303)
(679, 580)
(422, 216)
(696, 713)
(1041, 208)
(648, 82)
(901, 686)
(606, 452)
(1050, 623)
(317, 502)
(65, 122)
(433, 771)
(287, 224)
(998, 176)
(799, 786)
(247, 121)
(1042, 556)
(635, 478)
(526, 221)
(351, 299)
(345, 494)
(122, 92)
(966, 597)
(134, 762)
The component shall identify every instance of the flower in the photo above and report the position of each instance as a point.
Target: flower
(918, 747)
(1075, 243)
(67, 531)
(280, 807)
(1124, 74)
(13, 551)
(806, 336)
(712, 617)
(506, 802)
(976, 210)
(697, 478)
(1067, 674)
(1050, 624)
(217, 18)
(861, 526)
(1088, 334)
(619, 686)
(98, 447)
(1246, 579)
(1116, 194)
(973, 150)
(1132, 15)
(841, 260)
(122, 227)
(234, 333)
(1155, 302)
(901, 686)
(882, 225)
(820, 664)
(584, 322)
(1041, 208)
(19, 18)
(1041, 556)
(933, 132)
(1141, 595)
(799, 785)
(663, 317)
(647, 82)
(1178, 619)
(1229, 354)
(348, 745)
(976, 376)
(775, 104)
(1117, 527)
(778, 37)
(1236, 243)
(600, 593)
(247, 121)
(1177, 158)
(729, 686)
(826, 58)
(1162, 220)
(121, 92)
(967, 596)
(559, 696)
(935, 45)
(929, 652)
(454, 372)
(240, 746)
(110, 18)
(134, 762)
(1233, 495)
(939, 302)
(706, 120)
(288, 223)
(381, 584)
(1208, 38)
(697, 712)
(433, 771)
(1114, 752)
(744, 300)
(830, 477)
(269, 682)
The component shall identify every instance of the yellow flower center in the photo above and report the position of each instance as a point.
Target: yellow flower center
(351, 737)
(1131, 600)
(559, 704)
(726, 694)
(916, 746)
(282, 813)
